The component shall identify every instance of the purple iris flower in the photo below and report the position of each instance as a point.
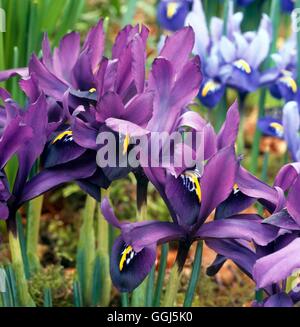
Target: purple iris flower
(33, 122)
(86, 90)
(134, 252)
(230, 60)
(276, 266)
(248, 258)
(264, 264)
(171, 14)
(13, 137)
(286, 128)
(190, 197)
(282, 78)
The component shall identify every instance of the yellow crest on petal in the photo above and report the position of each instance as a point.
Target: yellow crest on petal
(127, 250)
(243, 65)
(62, 135)
(92, 90)
(126, 144)
(193, 176)
(289, 82)
(278, 127)
(210, 86)
(172, 8)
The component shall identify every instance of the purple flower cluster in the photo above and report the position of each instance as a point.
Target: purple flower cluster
(75, 93)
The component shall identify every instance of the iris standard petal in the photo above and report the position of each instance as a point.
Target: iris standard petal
(217, 180)
(229, 131)
(182, 195)
(178, 47)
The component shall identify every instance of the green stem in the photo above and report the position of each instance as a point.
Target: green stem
(259, 295)
(103, 256)
(33, 227)
(17, 263)
(150, 287)
(139, 294)
(124, 300)
(257, 135)
(221, 112)
(86, 250)
(227, 4)
(195, 276)
(161, 274)
(172, 287)
(264, 174)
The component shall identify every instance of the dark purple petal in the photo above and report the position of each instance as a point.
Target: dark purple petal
(210, 141)
(48, 82)
(14, 136)
(140, 235)
(66, 56)
(95, 43)
(6, 74)
(277, 266)
(4, 212)
(178, 47)
(245, 227)
(218, 180)
(138, 63)
(241, 255)
(30, 87)
(229, 131)
(255, 188)
(282, 219)
(161, 82)
(134, 270)
(292, 202)
(234, 204)
(187, 84)
(83, 77)
(81, 168)
(110, 106)
(287, 175)
(280, 300)
(186, 204)
(61, 149)
(139, 110)
(36, 117)
(84, 134)
(108, 213)
(193, 120)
